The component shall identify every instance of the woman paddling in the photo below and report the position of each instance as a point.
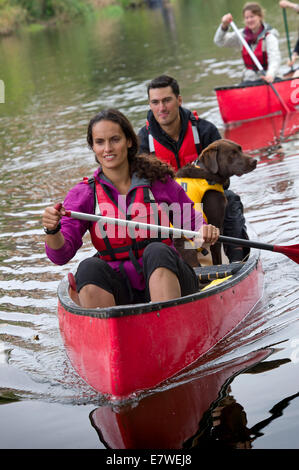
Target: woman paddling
(130, 266)
(262, 39)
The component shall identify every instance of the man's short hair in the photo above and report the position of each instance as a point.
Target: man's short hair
(164, 81)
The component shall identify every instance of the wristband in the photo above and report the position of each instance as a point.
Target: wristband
(52, 232)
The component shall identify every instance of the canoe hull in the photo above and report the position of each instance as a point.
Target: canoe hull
(241, 103)
(124, 350)
(259, 134)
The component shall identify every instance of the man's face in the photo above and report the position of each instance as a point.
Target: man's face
(164, 105)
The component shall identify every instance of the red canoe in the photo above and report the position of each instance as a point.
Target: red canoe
(170, 418)
(264, 132)
(240, 103)
(124, 349)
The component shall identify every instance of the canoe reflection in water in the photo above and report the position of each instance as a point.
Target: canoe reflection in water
(265, 133)
(198, 413)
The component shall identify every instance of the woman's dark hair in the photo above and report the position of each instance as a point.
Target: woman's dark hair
(144, 166)
(164, 81)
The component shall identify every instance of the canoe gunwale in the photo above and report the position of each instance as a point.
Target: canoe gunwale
(137, 309)
(249, 85)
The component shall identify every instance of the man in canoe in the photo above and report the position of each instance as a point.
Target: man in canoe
(168, 135)
(262, 39)
(295, 53)
(130, 266)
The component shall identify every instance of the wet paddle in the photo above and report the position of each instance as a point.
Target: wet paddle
(259, 66)
(291, 251)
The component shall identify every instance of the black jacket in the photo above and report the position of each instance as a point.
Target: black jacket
(234, 222)
(208, 133)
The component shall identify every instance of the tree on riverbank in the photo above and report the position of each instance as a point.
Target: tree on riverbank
(13, 13)
(50, 8)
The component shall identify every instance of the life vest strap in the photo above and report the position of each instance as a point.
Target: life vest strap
(137, 246)
(193, 118)
(151, 143)
(132, 246)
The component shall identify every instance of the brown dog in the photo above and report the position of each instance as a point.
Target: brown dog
(216, 164)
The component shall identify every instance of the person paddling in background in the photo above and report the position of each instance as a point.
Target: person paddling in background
(177, 136)
(295, 53)
(127, 268)
(262, 39)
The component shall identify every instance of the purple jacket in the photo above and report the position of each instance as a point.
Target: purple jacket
(81, 199)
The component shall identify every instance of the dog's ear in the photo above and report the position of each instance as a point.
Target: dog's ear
(209, 159)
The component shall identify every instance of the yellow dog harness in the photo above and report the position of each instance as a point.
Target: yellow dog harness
(196, 189)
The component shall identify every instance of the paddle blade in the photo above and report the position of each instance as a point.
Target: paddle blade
(291, 251)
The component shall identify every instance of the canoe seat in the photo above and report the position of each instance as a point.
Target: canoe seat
(209, 273)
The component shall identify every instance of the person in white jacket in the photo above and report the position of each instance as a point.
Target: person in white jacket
(262, 39)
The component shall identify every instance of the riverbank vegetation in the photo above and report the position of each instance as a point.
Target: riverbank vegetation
(15, 13)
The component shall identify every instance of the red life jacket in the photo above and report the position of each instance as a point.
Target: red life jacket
(115, 242)
(260, 52)
(189, 150)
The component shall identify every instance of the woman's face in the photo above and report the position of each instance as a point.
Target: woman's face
(110, 145)
(252, 21)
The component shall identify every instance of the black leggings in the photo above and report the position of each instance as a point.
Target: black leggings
(156, 255)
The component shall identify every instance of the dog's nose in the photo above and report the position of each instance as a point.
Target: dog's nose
(253, 163)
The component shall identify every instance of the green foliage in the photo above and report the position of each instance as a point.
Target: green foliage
(44, 9)
(68, 8)
(13, 13)
(35, 8)
(10, 17)
(127, 3)
(111, 11)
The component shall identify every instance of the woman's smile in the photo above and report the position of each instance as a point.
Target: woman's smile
(109, 157)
